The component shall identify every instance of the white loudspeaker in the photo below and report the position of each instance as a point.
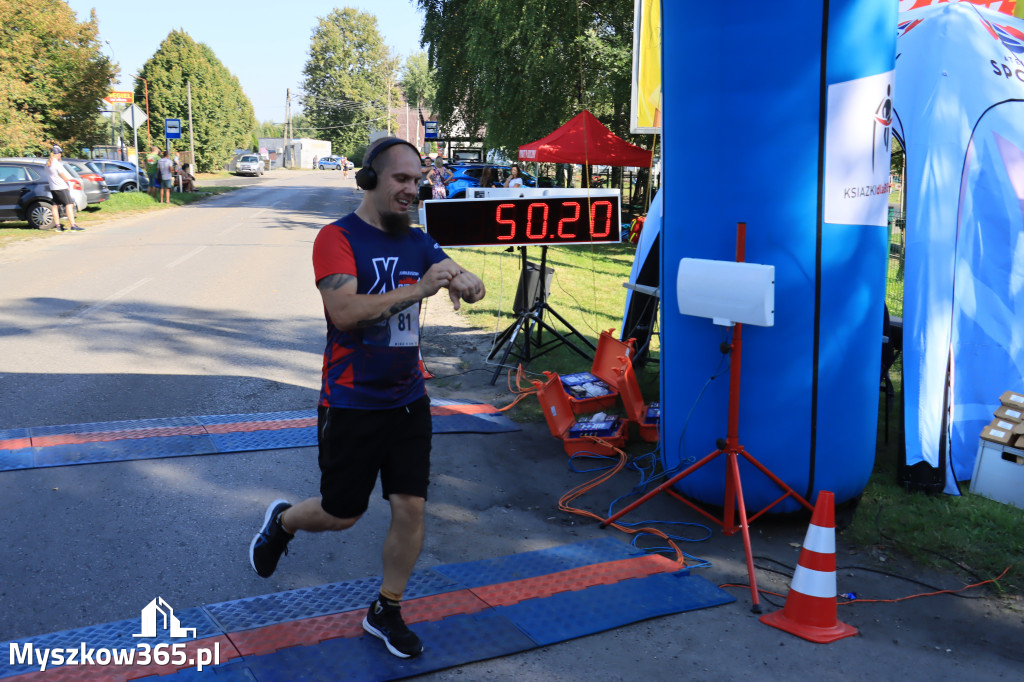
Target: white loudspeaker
(727, 292)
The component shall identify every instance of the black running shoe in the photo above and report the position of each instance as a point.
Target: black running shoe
(266, 548)
(385, 622)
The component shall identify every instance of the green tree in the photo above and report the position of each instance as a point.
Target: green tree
(222, 115)
(418, 81)
(270, 129)
(515, 70)
(53, 77)
(348, 80)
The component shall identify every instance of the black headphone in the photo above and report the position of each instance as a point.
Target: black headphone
(366, 178)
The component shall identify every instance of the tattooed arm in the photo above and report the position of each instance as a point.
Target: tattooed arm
(349, 310)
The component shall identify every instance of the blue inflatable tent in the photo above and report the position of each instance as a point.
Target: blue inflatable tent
(780, 119)
(960, 116)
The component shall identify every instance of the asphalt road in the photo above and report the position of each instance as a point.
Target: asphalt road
(210, 309)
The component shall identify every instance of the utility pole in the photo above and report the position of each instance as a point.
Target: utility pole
(389, 107)
(287, 122)
(191, 135)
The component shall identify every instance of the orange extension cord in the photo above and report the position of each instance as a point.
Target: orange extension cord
(580, 490)
(521, 390)
(889, 601)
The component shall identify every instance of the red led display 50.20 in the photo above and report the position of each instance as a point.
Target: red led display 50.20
(533, 220)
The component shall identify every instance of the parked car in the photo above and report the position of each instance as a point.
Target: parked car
(467, 175)
(95, 187)
(76, 188)
(330, 163)
(25, 193)
(120, 176)
(249, 164)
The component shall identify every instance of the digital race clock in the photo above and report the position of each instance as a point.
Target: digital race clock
(542, 220)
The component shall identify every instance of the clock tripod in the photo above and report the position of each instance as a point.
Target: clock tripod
(530, 320)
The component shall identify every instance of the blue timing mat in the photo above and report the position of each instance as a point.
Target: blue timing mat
(49, 446)
(463, 612)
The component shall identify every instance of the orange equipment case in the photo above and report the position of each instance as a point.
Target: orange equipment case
(560, 418)
(606, 362)
(633, 400)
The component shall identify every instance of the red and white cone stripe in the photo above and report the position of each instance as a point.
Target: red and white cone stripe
(810, 610)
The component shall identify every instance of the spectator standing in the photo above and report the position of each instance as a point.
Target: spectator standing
(164, 171)
(152, 158)
(58, 179)
(514, 178)
(486, 177)
(439, 178)
(315, 159)
(344, 166)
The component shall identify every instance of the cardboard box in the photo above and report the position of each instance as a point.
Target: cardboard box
(999, 473)
(995, 434)
(1020, 442)
(1010, 414)
(1012, 399)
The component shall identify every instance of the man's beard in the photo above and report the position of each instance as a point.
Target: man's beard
(395, 224)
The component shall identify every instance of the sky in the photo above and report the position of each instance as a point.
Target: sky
(264, 44)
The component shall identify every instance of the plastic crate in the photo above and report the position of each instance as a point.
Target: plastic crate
(561, 420)
(606, 360)
(646, 418)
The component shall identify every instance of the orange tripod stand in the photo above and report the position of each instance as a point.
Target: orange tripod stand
(729, 447)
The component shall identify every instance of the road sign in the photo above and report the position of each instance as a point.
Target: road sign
(134, 116)
(430, 130)
(172, 128)
(120, 97)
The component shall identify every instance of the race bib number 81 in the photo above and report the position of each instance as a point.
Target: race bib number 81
(404, 328)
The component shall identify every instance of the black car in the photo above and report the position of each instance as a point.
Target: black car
(93, 184)
(25, 193)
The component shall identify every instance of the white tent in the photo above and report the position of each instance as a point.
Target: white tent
(959, 113)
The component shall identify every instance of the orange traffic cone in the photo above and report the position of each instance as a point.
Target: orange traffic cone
(810, 610)
(424, 370)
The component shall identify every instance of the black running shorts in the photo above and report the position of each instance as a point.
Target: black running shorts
(62, 197)
(356, 445)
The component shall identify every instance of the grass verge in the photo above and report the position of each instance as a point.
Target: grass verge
(972, 535)
(120, 204)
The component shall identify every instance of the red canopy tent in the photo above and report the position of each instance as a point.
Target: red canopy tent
(585, 140)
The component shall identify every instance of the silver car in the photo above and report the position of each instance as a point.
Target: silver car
(249, 164)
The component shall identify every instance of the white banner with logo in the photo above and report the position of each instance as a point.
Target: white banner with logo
(858, 142)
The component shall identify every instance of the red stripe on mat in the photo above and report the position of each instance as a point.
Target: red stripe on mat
(312, 631)
(200, 430)
(608, 573)
(444, 410)
(107, 436)
(271, 425)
